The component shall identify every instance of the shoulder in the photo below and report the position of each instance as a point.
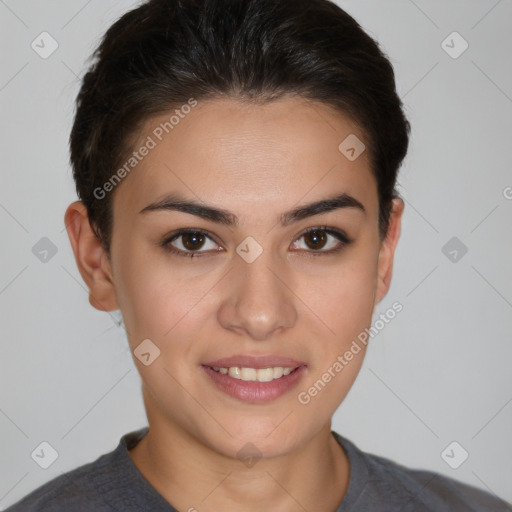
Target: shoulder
(385, 485)
(93, 486)
(69, 491)
(424, 490)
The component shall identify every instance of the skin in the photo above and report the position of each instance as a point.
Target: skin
(256, 161)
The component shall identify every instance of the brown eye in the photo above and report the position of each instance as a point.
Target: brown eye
(322, 240)
(190, 242)
(315, 239)
(193, 241)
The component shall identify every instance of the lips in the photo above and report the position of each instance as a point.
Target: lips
(240, 376)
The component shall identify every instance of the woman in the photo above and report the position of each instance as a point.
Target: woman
(236, 165)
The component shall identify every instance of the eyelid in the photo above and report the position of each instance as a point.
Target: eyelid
(330, 230)
(342, 237)
(171, 237)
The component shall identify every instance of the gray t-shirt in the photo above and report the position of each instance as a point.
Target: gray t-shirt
(113, 483)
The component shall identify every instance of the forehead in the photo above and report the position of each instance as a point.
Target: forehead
(259, 155)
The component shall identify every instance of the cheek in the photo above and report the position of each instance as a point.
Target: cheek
(154, 295)
(343, 303)
(342, 297)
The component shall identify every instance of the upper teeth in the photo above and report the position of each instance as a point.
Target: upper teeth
(253, 374)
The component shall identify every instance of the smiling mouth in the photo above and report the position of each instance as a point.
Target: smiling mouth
(255, 385)
(255, 374)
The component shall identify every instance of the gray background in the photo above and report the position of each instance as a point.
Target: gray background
(439, 372)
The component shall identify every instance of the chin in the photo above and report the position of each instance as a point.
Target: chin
(263, 438)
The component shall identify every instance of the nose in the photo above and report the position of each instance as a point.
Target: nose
(259, 298)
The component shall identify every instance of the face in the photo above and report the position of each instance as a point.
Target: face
(262, 278)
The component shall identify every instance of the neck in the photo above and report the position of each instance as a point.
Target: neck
(191, 476)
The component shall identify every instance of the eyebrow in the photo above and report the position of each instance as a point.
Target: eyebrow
(174, 202)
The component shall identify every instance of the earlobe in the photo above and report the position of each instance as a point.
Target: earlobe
(387, 250)
(92, 261)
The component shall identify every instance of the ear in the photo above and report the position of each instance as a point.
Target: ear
(91, 258)
(387, 250)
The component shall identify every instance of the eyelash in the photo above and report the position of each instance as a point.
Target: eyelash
(340, 235)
